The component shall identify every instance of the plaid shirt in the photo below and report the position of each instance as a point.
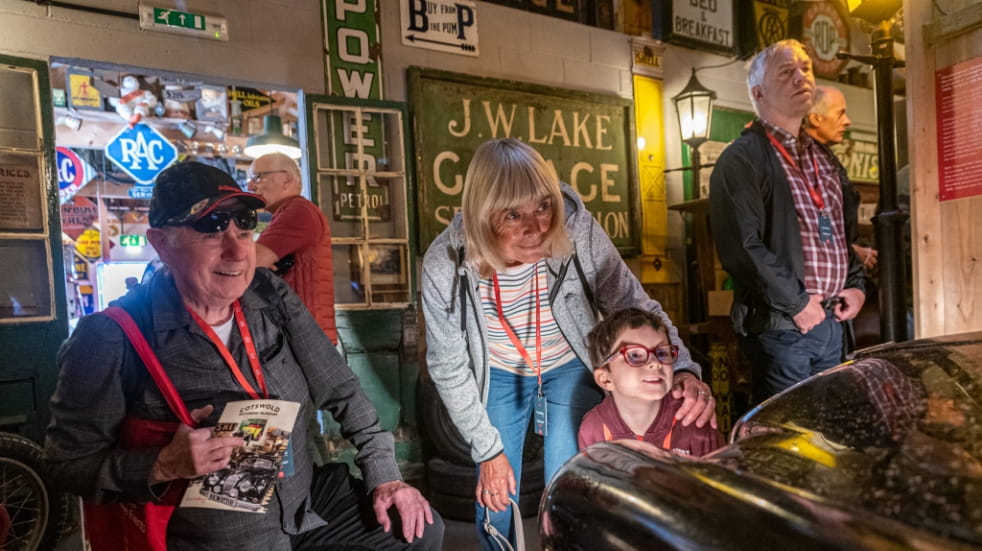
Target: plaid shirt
(826, 263)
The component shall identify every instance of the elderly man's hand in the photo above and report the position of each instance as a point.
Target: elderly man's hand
(850, 305)
(412, 507)
(697, 401)
(193, 452)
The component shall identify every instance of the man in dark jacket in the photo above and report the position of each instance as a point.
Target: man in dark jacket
(781, 218)
(826, 123)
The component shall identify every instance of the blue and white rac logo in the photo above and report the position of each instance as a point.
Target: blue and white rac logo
(141, 152)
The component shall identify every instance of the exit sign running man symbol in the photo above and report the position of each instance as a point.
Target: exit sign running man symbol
(181, 19)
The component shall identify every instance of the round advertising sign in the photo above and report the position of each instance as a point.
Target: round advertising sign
(71, 173)
(825, 33)
(89, 244)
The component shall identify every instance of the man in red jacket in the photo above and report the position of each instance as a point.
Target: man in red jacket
(297, 243)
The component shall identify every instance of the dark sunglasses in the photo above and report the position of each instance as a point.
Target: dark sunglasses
(218, 220)
(637, 356)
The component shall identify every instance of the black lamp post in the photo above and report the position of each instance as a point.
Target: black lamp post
(694, 106)
(890, 216)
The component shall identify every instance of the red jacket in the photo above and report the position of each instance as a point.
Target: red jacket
(300, 228)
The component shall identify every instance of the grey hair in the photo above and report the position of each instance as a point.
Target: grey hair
(284, 162)
(758, 65)
(820, 105)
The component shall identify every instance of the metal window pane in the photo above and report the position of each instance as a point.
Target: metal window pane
(385, 201)
(391, 152)
(349, 284)
(22, 292)
(329, 140)
(19, 109)
(341, 200)
(389, 273)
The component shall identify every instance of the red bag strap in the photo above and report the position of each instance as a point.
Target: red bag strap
(139, 342)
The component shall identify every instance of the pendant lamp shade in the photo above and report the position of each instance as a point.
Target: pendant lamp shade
(272, 140)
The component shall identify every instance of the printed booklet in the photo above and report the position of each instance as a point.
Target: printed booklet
(246, 484)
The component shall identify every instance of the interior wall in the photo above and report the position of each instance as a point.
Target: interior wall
(947, 236)
(273, 42)
(516, 45)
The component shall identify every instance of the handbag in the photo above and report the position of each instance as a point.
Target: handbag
(139, 526)
(500, 539)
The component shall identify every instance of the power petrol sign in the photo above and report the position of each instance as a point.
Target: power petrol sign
(141, 152)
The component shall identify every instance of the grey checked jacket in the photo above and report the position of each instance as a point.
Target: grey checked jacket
(299, 364)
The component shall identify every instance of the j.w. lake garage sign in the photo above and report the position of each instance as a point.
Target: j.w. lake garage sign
(585, 137)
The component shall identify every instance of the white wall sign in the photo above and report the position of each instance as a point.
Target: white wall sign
(705, 21)
(443, 25)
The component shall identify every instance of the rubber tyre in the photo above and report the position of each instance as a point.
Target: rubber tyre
(38, 516)
(451, 488)
(440, 436)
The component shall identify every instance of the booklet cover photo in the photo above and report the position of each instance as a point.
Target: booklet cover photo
(246, 484)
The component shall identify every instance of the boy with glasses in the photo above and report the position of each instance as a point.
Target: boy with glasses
(633, 357)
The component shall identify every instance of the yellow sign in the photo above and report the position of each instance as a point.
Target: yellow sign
(89, 244)
(82, 92)
(772, 21)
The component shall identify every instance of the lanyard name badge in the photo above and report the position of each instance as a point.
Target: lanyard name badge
(257, 371)
(824, 218)
(540, 414)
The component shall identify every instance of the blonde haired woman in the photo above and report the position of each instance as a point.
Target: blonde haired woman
(510, 290)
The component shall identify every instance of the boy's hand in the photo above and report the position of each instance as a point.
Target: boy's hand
(697, 401)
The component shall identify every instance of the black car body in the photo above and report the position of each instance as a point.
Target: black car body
(883, 452)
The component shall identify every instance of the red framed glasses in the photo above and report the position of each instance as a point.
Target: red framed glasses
(636, 355)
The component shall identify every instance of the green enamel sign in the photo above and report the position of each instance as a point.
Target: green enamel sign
(587, 138)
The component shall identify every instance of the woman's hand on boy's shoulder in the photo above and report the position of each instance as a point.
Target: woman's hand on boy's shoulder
(697, 400)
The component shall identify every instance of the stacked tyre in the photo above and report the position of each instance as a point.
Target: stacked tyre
(451, 475)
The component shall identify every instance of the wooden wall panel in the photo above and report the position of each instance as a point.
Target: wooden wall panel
(947, 237)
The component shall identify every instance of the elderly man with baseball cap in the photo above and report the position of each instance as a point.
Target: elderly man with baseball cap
(223, 330)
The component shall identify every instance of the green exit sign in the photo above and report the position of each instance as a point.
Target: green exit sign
(183, 19)
(132, 240)
(170, 20)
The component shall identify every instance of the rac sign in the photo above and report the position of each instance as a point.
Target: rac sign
(141, 152)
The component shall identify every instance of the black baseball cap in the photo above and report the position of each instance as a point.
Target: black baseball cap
(189, 190)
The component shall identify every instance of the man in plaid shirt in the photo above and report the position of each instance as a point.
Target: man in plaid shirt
(781, 215)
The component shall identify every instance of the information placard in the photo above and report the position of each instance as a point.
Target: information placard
(958, 94)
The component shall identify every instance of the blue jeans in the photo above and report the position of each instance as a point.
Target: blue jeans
(779, 359)
(570, 392)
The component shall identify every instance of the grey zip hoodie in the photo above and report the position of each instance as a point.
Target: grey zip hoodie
(457, 359)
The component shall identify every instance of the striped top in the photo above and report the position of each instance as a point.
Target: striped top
(517, 286)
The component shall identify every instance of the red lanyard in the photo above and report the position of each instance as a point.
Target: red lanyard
(250, 346)
(511, 334)
(816, 198)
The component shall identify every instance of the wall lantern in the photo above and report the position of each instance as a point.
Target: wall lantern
(694, 106)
